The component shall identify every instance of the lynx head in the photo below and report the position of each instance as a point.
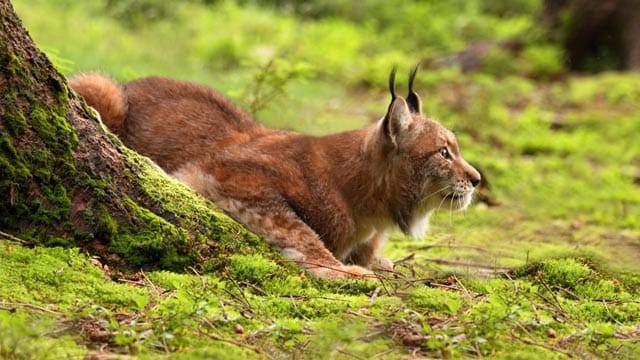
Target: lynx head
(428, 169)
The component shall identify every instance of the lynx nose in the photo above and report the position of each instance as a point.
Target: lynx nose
(474, 176)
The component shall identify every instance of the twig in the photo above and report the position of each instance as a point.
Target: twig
(318, 265)
(150, 283)
(606, 307)
(382, 353)
(534, 343)
(464, 289)
(614, 301)
(15, 239)
(348, 353)
(477, 348)
(358, 314)
(230, 341)
(431, 246)
(375, 294)
(11, 307)
(553, 294)
(295, 306)
(405, 259)
(535, 311)
(254, 287)
(224, 310)
(235, 283)
(307, 297)
(467, 264)
(202, 280)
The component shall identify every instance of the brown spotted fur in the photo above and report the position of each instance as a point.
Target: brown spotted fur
(325, 202)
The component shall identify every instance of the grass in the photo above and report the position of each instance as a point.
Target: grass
(551, 271)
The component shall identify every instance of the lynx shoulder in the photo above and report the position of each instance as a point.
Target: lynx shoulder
(325, 202)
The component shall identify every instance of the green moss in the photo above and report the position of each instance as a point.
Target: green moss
(436, 300)
(14, 65)
(41, 162)
(50, 206)
(53, 129)
(56, 275)
(285, 284)
(339, 337)
(220, 350)
(172, 281)
(152, 242)
(106, 226)
(252, 268)
(13, 171)
(566, 273)
(24, 337)
(309, 307)
(15, 121)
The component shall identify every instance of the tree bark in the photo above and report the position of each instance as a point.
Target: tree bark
(598, 34)
(65, 181)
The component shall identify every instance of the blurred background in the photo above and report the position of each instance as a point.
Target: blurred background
(543, 95)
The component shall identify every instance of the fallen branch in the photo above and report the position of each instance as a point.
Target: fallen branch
(15, 239)
(467, 264)
(432, 246)
(11, 307)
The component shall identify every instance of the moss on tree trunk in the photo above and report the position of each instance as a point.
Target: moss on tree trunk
(65, 181)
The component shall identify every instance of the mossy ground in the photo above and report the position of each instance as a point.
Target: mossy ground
(551, 272)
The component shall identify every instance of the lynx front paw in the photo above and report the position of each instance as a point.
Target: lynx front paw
(382, 263)
(343, 272)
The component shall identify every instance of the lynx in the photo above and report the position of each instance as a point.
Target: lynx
(325, 202)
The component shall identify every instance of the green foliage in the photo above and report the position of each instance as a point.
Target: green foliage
(544, 61)
(252, 268)
(436, 300)
(566, 273)
(22, 339)
(56, 275)
(270, 81)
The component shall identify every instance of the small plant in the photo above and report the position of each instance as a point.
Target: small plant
(270, 82)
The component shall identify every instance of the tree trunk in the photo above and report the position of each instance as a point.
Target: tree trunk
(65, 181)
(598, 34)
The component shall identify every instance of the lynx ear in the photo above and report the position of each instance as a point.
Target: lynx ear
(397, 121)
(413, 100)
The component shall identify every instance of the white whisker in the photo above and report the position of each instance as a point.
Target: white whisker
(436, 192)
(454, 198)
(440, 205)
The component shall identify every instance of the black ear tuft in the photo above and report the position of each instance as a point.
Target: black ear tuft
(412, 77)
(413, 100)
(392, 81)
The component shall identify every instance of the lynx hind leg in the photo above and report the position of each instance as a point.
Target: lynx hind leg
(294, 239)
(278, 224)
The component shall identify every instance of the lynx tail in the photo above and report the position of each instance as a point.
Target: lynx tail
(104, 95)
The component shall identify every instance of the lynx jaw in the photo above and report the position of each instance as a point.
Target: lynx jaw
(459, 200)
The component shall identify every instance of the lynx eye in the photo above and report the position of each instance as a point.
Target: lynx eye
(445, 153)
